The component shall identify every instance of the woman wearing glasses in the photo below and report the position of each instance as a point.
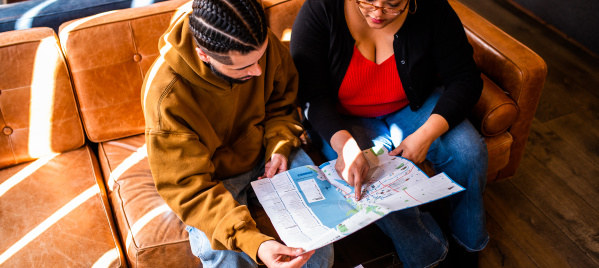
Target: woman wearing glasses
(400, 74)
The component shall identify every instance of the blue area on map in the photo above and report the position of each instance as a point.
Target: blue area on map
(341, 184)
(333, 209)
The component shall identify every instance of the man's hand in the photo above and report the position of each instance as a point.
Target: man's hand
(351, 163)
(276, 165)
(275, 254)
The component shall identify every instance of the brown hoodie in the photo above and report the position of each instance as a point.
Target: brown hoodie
(201, 129)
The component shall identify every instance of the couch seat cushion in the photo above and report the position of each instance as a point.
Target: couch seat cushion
(148, 228)
(52, 213)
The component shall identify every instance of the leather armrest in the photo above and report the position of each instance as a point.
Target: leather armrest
(513, 67)
(494, 112)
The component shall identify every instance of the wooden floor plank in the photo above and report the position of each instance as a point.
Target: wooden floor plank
(578, 96)
(556, 50)
(547, 109)
(559, 53)
(502, 251)
(566, 209)
(542, 241)
(565, 161)
(578, 133)
(558, 156)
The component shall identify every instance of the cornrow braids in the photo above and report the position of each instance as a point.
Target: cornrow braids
(221, 26)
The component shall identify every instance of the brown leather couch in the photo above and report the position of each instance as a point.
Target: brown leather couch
(75, 185)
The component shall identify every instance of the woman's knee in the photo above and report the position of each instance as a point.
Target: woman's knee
(462, 154)
(465, 143)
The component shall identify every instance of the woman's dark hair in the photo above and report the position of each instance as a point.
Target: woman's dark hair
(221, 26)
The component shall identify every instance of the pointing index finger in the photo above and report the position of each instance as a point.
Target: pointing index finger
(358, 188)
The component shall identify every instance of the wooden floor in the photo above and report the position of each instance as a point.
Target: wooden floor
(548, 214)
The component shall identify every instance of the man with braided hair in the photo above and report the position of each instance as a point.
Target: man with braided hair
(219, 106)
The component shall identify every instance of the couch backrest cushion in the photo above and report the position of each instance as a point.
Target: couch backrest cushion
(38, 112)
(281, 15)
(43, 13)
(108, 55)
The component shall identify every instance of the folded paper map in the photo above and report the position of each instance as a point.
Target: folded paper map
(312, 206)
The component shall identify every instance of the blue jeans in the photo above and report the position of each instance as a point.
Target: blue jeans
(461, 153)
(240, 188)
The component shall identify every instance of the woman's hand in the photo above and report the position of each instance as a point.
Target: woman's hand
(276, 165)
(351, 163)
(415, 147)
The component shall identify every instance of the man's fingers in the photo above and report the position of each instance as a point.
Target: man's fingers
(284, 250)
(271, 171)
(283, 167)
(300, 260)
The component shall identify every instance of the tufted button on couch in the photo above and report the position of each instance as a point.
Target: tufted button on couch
(75, 185)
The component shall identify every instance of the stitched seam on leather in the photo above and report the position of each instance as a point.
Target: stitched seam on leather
(115, 183)
(20, 43)
(121, 20)
(102, 66)
(129, 229)
(491, 110)
(122, 209)
(73, 95)
(274, 5)
(185, 134)
(12, 149)
(123, 145)
(185, 242)
(501, 144)
(494, 108)
(141, 72)
(79, 9)
(104, 195)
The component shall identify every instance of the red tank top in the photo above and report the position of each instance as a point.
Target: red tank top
(369, 89)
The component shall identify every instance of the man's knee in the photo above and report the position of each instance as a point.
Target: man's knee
(298, 158)
(323, 257)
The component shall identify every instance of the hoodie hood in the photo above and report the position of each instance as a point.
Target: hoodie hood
(178, 49)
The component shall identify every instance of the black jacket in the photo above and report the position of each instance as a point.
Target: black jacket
(430, 49)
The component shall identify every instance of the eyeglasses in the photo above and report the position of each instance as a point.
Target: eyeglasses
(389, 11)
